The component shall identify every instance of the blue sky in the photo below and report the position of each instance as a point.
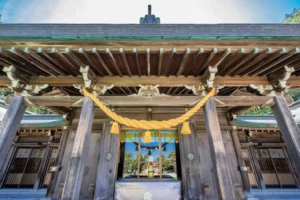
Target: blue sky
(129, 11)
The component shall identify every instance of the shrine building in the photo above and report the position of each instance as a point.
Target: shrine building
(149, 111)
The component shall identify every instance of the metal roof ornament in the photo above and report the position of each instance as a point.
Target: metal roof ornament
(149, 19)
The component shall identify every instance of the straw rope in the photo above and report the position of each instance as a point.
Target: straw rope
(153, 124)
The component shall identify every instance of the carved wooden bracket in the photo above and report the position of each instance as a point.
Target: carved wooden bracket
(101, 89)
(88, 76)
(201, 90)
(198, 90)
(18, 79)
(279, 79)
(208, 77)
(98, 89)
(266, 90)
(149, 91)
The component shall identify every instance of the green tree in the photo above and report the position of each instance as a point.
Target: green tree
(5, 92)
(293, 18)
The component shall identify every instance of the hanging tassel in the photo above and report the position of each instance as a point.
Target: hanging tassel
(115, 128)
(147, 137)
(185, 128)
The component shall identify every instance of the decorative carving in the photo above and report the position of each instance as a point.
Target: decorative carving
(279, 79)
(198, 90)
(209, 76)
(149, 91)
(88, 76)
(97, 89)
(266, 90)
(101, 89)
(18, 79)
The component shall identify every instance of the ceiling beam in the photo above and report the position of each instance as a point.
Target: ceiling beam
(156, 101)
(134, 81)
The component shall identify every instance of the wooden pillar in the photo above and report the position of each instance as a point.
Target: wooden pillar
(240, 159)
(289, 130)
(10, 125)
(190, 165)
(260, 179)
(58, 163)
(108, 165)
(223, 178)
(75, 172)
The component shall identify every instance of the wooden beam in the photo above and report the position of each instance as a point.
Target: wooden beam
(123, 56)
(161, 55)
(183, 61)
(254, 61)
(77, 163)
(10, 125)
(169, 67)
(234, 68)
(221, 101)
(289, 130)
(113, 61)
(135, 81)
(190, 164)
(148, 61)
(196, 56)
(108, 164)
(91, 63)
(94, 50)
(30, 61)
(66, 60)
(203, 66)
(137, 62)
(232, 60)
(44, 62)
(221, 167)
(276, 61)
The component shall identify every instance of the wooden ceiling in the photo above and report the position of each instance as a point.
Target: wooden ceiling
(149, 62)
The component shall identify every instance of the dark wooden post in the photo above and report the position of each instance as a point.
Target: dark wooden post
(75, 172)
(10, 125)
(58, 162)
(260, 179)
(108, 165)
(223, 178)
(289, 130)
(190, 164)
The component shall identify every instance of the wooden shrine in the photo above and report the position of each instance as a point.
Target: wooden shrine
(149, 72)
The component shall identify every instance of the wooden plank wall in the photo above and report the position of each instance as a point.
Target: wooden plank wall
(91, 167)
(108, 165)
(190, 165)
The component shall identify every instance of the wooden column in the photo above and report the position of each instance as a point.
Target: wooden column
(260, 179)
(190, 165)
(75, 172)
(289, 130)
(240, 159)
(223, 178)
(58, 163)
(108, 165)
(10, 125)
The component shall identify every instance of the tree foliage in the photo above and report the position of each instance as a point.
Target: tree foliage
(5, 92)
(293, 18)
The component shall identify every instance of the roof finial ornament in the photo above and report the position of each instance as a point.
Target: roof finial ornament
(149, 18)
(149, 9)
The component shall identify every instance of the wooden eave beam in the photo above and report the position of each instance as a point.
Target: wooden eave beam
(123, 56)
(94, 50)
(136, 60)
(114, 62)
(134, 81)
(183, 61)
(166, 101)
(161, 54)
